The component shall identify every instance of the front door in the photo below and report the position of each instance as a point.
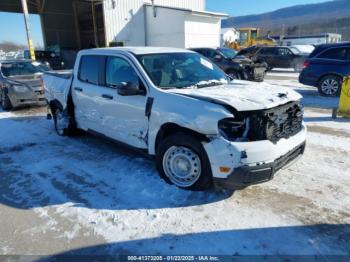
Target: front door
(285, 57)
(124, 117)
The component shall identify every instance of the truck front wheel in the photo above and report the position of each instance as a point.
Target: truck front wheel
(182, 161)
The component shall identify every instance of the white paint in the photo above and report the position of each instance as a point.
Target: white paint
(166, 29)
(201, 30)
(186, 30)
(199, 110)
(125, 19)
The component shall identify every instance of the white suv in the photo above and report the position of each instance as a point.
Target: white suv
(181, 108)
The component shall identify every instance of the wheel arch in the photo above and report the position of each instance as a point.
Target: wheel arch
(55, 104)
(168, 129)
(328, 74)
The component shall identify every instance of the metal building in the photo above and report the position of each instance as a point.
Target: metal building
(78, 24)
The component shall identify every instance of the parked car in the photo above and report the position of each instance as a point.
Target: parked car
(50, 58)
(234, 66)
(20, 83)
(276, 57)
(182, 109)
(303, 49)
(326, 67)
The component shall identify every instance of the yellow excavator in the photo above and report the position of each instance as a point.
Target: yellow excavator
(249, 37)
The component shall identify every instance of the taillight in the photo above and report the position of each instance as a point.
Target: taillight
(306, 63)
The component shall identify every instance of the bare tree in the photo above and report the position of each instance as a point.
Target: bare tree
(8, 46)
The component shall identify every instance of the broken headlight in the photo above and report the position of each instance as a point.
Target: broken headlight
(233, 129)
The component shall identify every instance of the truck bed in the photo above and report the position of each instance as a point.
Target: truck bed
(57, 85)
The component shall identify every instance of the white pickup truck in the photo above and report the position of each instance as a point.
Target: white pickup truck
(176, 105)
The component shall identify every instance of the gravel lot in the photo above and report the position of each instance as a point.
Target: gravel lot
(86, 195)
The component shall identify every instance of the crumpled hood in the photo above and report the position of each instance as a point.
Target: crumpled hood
(243, 95)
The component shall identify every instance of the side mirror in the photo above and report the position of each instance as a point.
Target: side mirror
(218, 57)
(129, 89)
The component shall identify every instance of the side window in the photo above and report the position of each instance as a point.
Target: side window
(334, 53)
(267, 51)
(119, 71)
(89, 69)
(284, 52)
(211, 53)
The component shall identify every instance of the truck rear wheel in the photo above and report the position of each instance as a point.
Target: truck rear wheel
(182, 161)
(63, 123)
(5, 100)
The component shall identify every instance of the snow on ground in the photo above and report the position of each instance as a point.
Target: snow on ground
(87, 195)
(284, 72)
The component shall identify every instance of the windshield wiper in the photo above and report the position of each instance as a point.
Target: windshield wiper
(208, 83)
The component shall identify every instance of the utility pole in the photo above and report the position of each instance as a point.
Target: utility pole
(29, 33)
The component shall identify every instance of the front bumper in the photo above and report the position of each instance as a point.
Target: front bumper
(239, 164)
(244, 176)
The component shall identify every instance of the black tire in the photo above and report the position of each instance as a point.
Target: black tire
(5, 101)
(205, 180)
(331, 80)
(69, 129)
(233, 75)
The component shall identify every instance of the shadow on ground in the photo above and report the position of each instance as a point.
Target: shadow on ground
(323, 239)
(39, 168)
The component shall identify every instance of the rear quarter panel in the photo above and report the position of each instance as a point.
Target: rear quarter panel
(57, 86)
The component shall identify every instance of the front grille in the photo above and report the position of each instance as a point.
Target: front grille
(276, 123)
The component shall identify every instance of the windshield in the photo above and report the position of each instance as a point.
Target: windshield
(181, 70)
(22, 68)
(228, 53)
(295, 50)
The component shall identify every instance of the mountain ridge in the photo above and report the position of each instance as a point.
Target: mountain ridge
(300, 19)
(338, 7)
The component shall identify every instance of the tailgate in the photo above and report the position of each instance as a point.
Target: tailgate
(57, 85)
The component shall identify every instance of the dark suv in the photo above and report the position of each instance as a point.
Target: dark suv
(326, 67)
(236, 67)
(276, 56)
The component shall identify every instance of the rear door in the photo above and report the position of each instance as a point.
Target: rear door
(333, 60)
(267, 54)
(86, 92)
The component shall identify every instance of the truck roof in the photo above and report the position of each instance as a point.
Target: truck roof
(136, 50)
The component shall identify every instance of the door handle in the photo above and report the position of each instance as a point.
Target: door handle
(107, 96)
(79, 89)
